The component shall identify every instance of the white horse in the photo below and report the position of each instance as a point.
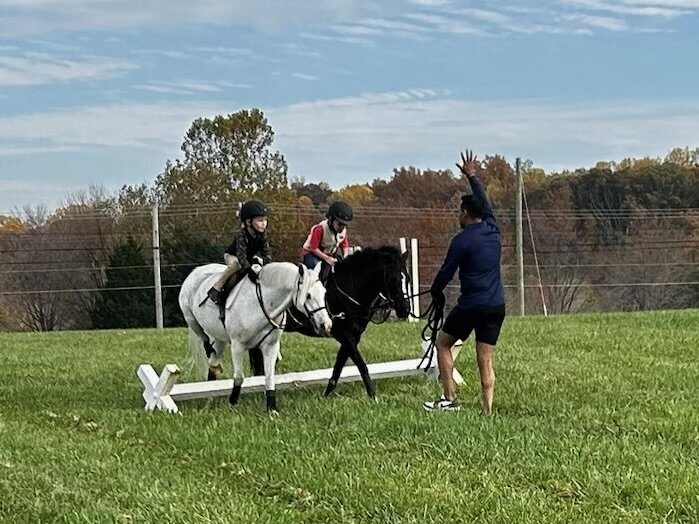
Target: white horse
(253, 315)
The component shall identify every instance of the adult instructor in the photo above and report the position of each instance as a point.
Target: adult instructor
(476, 252)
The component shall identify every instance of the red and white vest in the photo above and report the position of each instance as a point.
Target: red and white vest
(323, 238)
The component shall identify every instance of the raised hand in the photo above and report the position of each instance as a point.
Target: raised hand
(469, 163)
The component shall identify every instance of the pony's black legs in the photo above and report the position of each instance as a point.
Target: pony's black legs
(237, 357)
(271, 396)
(269, 354)
(209, 349)
(257, 363)
(235, 395)
(358, 360)
(340, 361)
(214, 370)
(349, 349)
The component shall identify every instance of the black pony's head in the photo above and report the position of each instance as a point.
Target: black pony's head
(385, 269)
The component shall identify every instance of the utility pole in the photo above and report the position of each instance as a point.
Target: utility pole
(156, 268)
(518, 235)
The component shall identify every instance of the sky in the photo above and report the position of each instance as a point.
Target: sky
(101, 92)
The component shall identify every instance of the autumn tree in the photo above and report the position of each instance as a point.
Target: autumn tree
(412, 187)
(355, 194)
(237, 149)
(318, 194)
(126, 300)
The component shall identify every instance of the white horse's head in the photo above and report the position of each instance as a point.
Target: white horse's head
(310, 299)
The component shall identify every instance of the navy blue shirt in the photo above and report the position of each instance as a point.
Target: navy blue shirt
(476, 252)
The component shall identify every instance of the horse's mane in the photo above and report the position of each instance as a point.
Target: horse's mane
(368, 257)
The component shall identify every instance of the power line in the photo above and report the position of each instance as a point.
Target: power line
(609, 285)
(204, 209)
(193, 264)
(103, 268)
(84, 290)
(422, 286)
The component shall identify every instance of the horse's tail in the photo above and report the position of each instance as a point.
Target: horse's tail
(196, 356)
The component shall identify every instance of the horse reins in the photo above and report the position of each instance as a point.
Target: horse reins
(275, 325)
(385, 304)
(434, 320)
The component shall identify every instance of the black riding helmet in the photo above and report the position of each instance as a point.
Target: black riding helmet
(252, 209)
(340, 211)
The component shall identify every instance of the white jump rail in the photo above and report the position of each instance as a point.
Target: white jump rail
(162, 392)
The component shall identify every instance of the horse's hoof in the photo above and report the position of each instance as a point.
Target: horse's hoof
(273, 412)
(214, 372)
(370, 389)
(235, 396)
(271, 397)
(332, 384)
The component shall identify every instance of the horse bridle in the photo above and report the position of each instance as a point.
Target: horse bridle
(309, 312)
(386, 301)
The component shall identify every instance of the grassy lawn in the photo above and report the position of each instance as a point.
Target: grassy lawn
(597, 420)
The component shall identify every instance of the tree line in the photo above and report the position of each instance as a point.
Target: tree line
(618, 236)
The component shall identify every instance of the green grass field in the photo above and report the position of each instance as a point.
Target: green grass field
(596, 420)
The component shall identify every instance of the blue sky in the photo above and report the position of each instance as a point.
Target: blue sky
(101, 92)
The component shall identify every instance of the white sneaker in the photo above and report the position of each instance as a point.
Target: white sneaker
(442, 404)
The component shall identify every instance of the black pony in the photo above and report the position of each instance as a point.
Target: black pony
(367, 281)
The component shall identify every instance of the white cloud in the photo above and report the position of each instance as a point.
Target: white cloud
(344, 140)
(394, 128)
(167, 53)
(300, 50)
(231, 52)
(31, 68)
(348, 139)
(15, 193)
(303, 76)
(656, 9)
(447, 24)
(344, 21)
(45, 16)
(340, 39)
(603, 22)
(188, 87)
(381, 27)
(118, 125)
(430, 3)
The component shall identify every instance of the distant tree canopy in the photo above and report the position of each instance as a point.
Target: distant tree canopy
(117, 307)
(589, 226)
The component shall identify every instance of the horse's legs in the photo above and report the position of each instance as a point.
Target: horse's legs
(214, 352)
(257, 365)
(340, 361)
(358, 360)
(269, 353)
(238, 377)
(349, 349)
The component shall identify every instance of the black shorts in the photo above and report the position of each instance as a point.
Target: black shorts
(485, 322)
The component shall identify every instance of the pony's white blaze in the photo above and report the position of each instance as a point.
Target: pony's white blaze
(404, 285)
(247, 324)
